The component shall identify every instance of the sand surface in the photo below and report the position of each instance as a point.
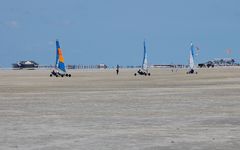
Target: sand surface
(97, 110)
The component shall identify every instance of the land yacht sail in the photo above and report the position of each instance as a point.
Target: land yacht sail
(60, 69)
(144, 67)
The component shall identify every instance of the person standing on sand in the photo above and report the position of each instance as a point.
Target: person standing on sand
(117, 70)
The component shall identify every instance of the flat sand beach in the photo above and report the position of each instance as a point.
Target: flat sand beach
(98, 110)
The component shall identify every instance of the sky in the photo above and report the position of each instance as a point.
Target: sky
(112, 31)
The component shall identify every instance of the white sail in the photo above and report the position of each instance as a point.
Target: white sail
(191, 57)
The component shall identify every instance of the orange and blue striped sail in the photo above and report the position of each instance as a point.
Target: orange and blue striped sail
(59, 58)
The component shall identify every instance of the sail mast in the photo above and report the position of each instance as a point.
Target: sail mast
(57, 56)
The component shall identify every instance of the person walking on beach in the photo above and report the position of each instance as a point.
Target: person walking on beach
(117, 70)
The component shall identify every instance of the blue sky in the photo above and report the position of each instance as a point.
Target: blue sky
(112, 31)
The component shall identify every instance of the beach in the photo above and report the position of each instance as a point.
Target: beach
(98, 110)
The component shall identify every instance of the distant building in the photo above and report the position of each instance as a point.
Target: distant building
(218, 62)
(206, 65)
(29, 64)
(102, 66)
(224, 62)
(168, 66)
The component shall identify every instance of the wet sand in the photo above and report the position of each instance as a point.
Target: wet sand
(97, 110)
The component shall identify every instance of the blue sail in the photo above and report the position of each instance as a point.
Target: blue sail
(144, 63)
(192, 50)
(191, 56)
(59, 58)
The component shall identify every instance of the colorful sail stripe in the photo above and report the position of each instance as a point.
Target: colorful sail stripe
(61, 59)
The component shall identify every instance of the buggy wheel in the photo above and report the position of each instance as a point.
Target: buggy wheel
(149, 74)
(66, 75)
(50, 75)
(69, 75)
(135, 74)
